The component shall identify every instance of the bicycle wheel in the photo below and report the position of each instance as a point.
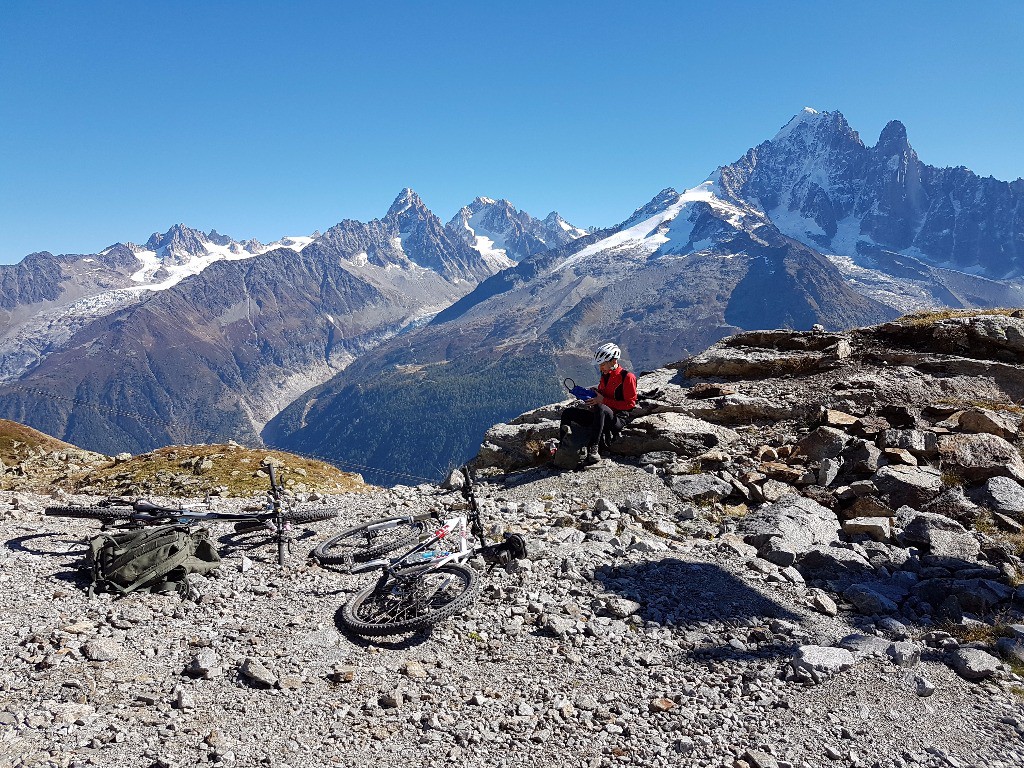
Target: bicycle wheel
(309, 515)
(369, 540)
(411, 601)
(95, 513)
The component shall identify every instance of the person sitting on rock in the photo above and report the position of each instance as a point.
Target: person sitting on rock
(614, 398)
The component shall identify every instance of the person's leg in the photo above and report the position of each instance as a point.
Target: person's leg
(576, 416)
(603, 417)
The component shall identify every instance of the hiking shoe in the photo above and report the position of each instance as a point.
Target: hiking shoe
(593, 456)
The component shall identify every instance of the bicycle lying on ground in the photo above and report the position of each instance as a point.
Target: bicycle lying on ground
(276, 518)
(428, 582)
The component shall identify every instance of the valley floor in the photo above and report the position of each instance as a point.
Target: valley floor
(611, 645)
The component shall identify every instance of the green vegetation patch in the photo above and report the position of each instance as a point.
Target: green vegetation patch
(224, 470)
(934, 316)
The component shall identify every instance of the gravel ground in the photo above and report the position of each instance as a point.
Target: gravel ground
(630, 637)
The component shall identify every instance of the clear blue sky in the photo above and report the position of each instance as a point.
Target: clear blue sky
(279, 118)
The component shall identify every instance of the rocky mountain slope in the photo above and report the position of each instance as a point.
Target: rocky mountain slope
(809, 227)
(214, 337)
(805, 551)
(679, 274)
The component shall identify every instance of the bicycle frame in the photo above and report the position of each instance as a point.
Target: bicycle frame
(422, 554)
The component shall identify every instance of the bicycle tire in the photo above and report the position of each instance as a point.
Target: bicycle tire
(400, 605)
(94, 513)
(309, 515)
(360, 543)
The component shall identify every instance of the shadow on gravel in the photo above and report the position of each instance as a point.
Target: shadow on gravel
(60, 545)
(685, 596)
(260, 546)
(398, 643)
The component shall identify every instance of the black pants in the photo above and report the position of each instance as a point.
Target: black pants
(596, 421)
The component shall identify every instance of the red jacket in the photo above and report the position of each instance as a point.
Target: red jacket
(611, 381)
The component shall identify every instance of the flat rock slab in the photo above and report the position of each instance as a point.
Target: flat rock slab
(905, 485)
(973, 663)
(703, 486)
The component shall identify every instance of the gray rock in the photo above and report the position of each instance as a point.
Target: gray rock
(620, 607)
(1012, 649)
(877, 528)
(205, 664)
(102, 649)
(822, 443)
(671, 431)
(916, 441)
(700, 487)
(834, 564)
(865, 645)
(818, 661)
(257, 674)
(974, 595)
(923, 687)
(979, 457)
(822, 603)
(455, 480)
(973, 663)
(868, 600)
(913, 486)
(954, 504)
(792, 524)
(1003, 494)
(905, 654)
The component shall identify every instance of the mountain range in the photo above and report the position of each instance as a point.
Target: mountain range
(393, 344)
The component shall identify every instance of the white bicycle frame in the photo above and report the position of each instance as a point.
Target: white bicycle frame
(423, 554)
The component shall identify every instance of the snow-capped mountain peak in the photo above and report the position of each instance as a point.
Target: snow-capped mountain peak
(504, 236)
(673, 223)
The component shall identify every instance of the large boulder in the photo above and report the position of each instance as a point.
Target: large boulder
(792, 525)
(976, 596)
(839, 566)
(1001, 494)
(913, 486)
(515, 446)
(700, 487)
(1004, 424)
(944, 540)
(670, 431)
(979, 457)
(822, 443)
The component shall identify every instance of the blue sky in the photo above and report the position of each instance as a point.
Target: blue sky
(270, 119)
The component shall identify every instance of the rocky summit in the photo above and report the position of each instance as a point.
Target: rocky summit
(803, 550)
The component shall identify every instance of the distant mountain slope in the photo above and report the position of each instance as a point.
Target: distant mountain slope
(219, 336)
(681, 273)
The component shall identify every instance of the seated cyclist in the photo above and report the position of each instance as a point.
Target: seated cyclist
(614, 397)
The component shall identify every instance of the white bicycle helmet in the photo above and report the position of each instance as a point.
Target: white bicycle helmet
(607, 352)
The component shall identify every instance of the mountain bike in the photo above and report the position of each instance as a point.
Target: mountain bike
(423, 585)
(275, 517)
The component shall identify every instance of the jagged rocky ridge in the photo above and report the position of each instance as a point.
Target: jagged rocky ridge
(821, 184)
(882, 465)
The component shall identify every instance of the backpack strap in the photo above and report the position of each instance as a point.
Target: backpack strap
(157, 538)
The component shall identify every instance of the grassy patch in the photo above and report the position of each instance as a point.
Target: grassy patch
(988, 405)
(935, 316)
(19, 443)
(230, 470)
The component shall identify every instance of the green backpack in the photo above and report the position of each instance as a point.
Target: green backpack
(151, 559)
(570, 450)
